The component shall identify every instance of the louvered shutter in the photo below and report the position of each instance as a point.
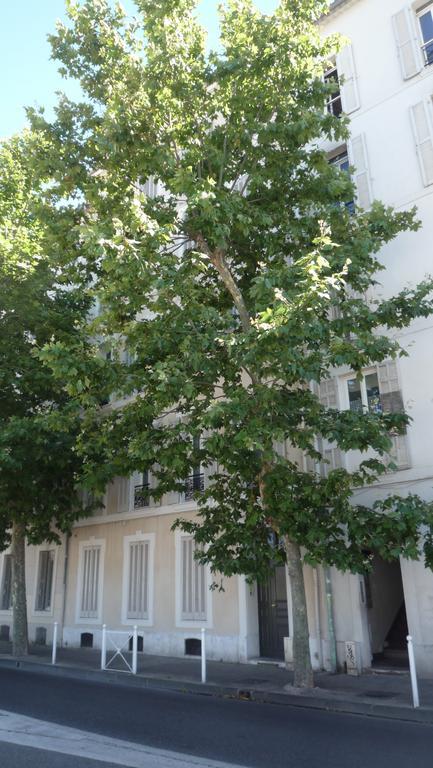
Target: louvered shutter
(408, 46)
(328, 393)
(423, 132)
(123, 494)
(138, 580)
(90, 582)
(392, 402)
(193, 576)
(359, 159)
(333, 460)
(349, 83)
(45, 580)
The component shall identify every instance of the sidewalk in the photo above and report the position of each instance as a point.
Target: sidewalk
(375, 694)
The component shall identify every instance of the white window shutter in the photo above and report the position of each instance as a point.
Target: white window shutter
(328, 395)
(423, 133)
(138, 580)
(359, 159)
(123, 494)
(193, 576)
(349, 81)
(392, 402)
(408, 45)
(399, 453)
(332, 459)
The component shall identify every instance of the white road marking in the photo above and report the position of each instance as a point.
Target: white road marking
(30, 732)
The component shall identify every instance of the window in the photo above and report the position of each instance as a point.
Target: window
(90, 575)
(423, 133)
(195, 482)
(138, 580)
(6, 586)
(364, 394)
(141, 490)
(378, 392)
(333, 103)
(341, 162)
(193, 583)
(425, 19)
(45, 580)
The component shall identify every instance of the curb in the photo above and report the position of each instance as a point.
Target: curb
(316, 702)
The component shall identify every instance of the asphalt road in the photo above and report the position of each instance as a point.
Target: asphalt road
(13, 756)
(241, 732)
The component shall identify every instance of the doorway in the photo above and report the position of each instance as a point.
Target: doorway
(386, 613)
(273, 614)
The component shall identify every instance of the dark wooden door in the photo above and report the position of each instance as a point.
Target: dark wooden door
(273, 616)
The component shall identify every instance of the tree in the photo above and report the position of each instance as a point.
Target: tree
(216, 235)
(39, 468)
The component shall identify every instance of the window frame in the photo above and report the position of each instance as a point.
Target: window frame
(90, 543)
(423, 11)
(193, 624)
(6, 553)
(127, 541)
(48, 611)
(332, 100)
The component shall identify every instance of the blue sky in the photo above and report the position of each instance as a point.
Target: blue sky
(29, 77)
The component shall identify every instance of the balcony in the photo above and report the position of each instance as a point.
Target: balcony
(193, 484)
(427, 50)
(141, 496)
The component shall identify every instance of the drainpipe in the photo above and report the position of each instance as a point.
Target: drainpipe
(65, 581)
(317, 607)
(330, 615)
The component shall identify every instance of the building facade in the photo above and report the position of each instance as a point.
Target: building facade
(125, 566)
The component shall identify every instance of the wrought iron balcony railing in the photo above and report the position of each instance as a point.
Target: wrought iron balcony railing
(427, 50)
(141, 496)
(193, 484)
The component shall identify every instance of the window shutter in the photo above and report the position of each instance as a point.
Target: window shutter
(392, 402)
(123, 493)
(408, 46)
(349, 83)
(359, 159)
(423, 133)
(332, 456)
(138, 586)
(45, 580)
(328, 395)
(193, 583)
(390, 395)
(90, 584)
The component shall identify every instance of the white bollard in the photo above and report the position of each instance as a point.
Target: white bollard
(134, 650)
(104, 646)
(203, 655)
(54, 651)
(412, 668)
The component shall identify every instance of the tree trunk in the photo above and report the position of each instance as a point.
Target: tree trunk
(301, 636)
(19, 600)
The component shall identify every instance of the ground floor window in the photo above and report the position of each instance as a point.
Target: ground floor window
(194, 583)
(138, 580)
(6, 584)
(45, 580)
(89, 594)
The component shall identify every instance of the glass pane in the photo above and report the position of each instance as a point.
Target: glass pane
(426, 21)
(355, 397)
(373, 394)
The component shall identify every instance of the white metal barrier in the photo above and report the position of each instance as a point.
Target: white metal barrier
(203, 655)
(119, 642)
(54, 649)
(412, 667)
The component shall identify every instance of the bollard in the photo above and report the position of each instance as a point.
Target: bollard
(134, 650)
(203, 655)
(104, 646)
(54, 651)
(412, 668)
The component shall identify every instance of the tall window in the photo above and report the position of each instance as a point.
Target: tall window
(6, 585)
(341, 161)
(364, 394)
(45, 580)
(138, 580)
(89, 597)
(333, 104)
(425, 18)
(141, 491)
(193, 583)
(195, 482)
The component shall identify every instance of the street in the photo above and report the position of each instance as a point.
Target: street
(202, 728)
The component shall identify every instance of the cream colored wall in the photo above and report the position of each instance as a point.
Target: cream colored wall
(224, 605)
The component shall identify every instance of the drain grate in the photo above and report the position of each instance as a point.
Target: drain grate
(376, 694)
